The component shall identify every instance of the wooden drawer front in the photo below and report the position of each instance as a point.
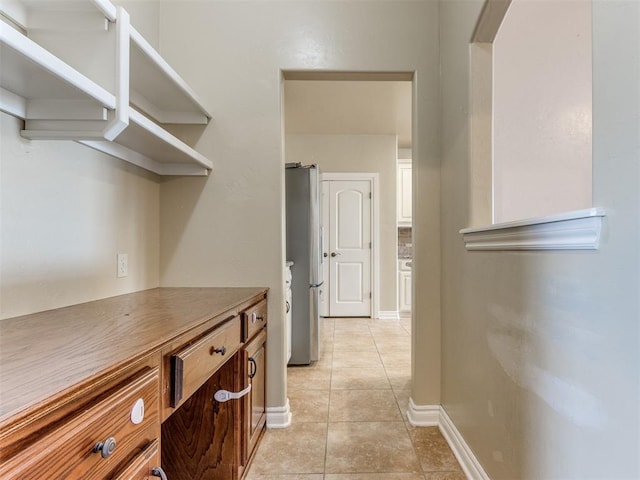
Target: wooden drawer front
(193, 365)
(255, 319)
(67, 451)
(141, 466)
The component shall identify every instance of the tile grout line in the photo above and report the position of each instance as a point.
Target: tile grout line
(326, 441)
(404, 420)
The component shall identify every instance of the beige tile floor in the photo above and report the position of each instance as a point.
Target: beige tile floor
(349, 413)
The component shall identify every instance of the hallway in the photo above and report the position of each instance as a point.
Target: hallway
(349, 413)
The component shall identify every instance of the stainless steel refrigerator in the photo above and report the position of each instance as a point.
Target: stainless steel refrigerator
(304, 249)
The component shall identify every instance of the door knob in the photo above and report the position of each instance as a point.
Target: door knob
(334, 254)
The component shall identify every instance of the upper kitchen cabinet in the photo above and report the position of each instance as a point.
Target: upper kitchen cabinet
(78, 70)
(404, 193)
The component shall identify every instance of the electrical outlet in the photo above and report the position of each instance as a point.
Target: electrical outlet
(122, 265)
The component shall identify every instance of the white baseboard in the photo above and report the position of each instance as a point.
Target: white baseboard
(279, 417)
(468, 461)
(390, 315)
(423, 415)
(431, 415)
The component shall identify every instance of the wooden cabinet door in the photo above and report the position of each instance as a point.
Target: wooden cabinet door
(255, 409)
(200, 440)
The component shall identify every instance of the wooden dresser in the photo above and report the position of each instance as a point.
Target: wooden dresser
(164, 383)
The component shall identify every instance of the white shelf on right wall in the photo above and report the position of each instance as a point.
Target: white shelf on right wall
(578, 230)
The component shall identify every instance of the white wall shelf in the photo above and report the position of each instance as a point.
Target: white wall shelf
(29, 14)
(31, 76)
(167, 97)
(149, 146)
(49, 83)
(578, 230)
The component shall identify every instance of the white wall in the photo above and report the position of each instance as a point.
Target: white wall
(145, 17)
(541, 350)
(542, 109)
(66, 212)
(228, 229)
(361, 153)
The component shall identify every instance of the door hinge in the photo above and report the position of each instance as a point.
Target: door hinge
(369, 244)
(369, 295)
(370, 195)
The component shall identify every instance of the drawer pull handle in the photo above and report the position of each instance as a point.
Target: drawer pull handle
(256, 318)
(105, 448)
(158, 472)
(220, 350)
(224, 395)
(254, 367)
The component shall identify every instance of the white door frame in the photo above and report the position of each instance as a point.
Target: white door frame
(373, 179)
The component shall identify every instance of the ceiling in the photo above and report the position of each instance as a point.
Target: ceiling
(349, 108)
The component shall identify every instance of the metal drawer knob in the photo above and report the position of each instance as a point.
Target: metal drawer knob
(105, 448)
(220, 350)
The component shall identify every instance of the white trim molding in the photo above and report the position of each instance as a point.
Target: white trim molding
(578, 230)
(435, 415)
(423, 415)
(467, 460)
(279, 417)
(390, 315)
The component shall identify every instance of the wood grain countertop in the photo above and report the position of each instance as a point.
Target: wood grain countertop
(46, 353)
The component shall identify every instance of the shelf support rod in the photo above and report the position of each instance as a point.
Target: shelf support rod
(120, 120)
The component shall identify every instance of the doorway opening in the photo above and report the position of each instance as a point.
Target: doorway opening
(355, 124)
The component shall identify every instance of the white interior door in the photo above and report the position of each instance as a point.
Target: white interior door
(347, 229)
(326, 220)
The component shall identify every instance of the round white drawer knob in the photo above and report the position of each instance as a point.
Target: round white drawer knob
(137, 412)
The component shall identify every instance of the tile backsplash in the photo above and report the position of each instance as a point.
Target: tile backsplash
(405, 245)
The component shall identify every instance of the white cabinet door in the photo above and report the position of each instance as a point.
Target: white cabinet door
(404, 284)
(404, 194)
